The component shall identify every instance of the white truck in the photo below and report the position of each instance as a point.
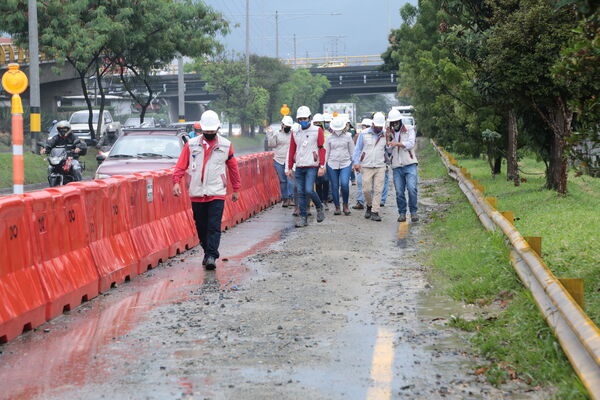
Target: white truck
(342, 109)
(81, 129)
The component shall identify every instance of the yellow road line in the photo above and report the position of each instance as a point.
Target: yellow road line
(403, 230)
(382, 366)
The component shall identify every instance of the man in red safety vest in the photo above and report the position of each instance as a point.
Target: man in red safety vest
(207, 159)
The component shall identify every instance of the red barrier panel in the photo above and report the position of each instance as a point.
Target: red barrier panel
(147, 232)
(173, 214)
(107, 211)
(22, 299)
(61, 253)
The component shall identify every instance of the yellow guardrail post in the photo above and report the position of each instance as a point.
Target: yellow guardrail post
(575, 288)
(535, 242)
(492, 201)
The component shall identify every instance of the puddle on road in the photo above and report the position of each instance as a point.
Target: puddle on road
(78, 350)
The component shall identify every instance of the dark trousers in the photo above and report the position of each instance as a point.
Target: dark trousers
(323, 187)
(208, 224)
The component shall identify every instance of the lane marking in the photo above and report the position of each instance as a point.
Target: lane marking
(403, 230)
(382, 366)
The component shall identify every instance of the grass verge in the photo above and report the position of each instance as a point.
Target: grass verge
(36, 168)
(242, 144)
(472, 265)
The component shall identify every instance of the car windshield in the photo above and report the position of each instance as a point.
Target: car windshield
(147, 146)
(82, 118)
(132, 122)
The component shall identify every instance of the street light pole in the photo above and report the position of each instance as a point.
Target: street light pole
(34, 75)
(247, 46)
(180, 89)
(277, 34)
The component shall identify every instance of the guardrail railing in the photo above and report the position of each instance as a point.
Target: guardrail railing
(576, 332)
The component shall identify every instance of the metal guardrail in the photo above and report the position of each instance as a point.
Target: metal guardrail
(332, 62)
(9, 53)
(578, 335)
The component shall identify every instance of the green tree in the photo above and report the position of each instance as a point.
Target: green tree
(270, 73)
(303, 89)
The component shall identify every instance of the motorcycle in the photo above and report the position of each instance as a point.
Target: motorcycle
(60, 165)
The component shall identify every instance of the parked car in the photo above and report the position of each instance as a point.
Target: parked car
(149, 122)
(143, 149)
(80, 127)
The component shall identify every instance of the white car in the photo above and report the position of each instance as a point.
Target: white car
(81, 129)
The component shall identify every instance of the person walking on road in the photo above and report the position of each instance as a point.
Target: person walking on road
(206, 159)
(369, 159)
(307, 153)
(280, 142)
(365, 124)
(339, 151)
(322, 182)
(402, 140)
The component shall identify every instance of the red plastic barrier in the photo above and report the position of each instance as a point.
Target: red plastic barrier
(173, 215)
(22, 299)
(109, 223)
(147, 232)
(61, 253)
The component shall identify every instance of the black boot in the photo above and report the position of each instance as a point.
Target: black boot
(320, 214)
(211, 263)
(375, 216)
(368, 212)
(302, 222)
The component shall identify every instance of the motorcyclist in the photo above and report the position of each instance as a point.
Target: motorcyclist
(66, 137)
(107, 141)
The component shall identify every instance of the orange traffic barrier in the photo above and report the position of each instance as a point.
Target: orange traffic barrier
(61, 253)
(147, 232)
(107, 211)
(22, 299)
(173, 215)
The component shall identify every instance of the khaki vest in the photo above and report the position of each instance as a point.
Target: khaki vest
(373, 153)
(402, 157)
(215, 175)
(307, 148)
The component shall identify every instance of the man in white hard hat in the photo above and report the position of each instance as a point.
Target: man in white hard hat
(369, 159)
(280, 142)
(402, 140)
(207, 159)
(307, 153)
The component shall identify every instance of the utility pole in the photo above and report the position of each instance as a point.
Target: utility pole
(295, 62)
(247, 46)
(277, 34)
(34, 75)
(180, 89)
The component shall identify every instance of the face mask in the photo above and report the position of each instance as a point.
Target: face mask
(396, 127)
(326, 125)
(305, 124)
(377, 129)
(287, 129)
(210, 136)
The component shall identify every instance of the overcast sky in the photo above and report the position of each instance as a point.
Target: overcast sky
(361, 28)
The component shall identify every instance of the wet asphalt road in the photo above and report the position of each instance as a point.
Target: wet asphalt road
(338, 310)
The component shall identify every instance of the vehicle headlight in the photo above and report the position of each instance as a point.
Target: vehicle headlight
(55, 160)
(101, 176)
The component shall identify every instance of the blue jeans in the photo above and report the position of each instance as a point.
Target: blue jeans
(360, 199)
(406, 178)
(305, 182)
(337, 178)
(286, 184)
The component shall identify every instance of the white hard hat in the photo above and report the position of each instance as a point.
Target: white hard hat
(209, 120)
(327, 117)
(303, 112)
(318, 118)
(394, 115)
(379, 120)
(366, 122)
(338, 123)
(287, 121)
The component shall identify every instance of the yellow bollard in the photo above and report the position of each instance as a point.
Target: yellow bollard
(575, 288)
(14, 81)
(535, 242)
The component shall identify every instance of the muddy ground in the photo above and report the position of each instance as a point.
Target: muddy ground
(338, 310)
